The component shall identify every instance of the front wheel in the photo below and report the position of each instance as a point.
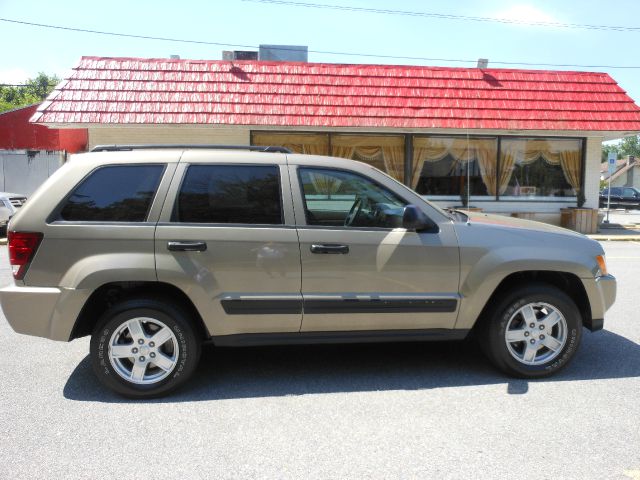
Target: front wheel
(533, 332)
(144, 348)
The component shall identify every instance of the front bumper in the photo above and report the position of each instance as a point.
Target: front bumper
(42, 311)
(602, 293)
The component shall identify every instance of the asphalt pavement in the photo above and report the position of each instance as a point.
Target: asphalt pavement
(374, 411)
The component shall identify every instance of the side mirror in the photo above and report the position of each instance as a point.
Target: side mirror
(414, 219)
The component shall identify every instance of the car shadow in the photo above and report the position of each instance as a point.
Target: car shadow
(227, 373)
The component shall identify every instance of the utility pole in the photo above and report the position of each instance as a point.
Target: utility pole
(613, 156)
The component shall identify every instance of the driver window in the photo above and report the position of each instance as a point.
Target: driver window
(338, 198)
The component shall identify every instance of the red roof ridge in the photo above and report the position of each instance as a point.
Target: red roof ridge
(344, 65)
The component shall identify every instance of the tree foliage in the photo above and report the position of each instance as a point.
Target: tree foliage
(630, 146)
(626, 146)
(34, 90)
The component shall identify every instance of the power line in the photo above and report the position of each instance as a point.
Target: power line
(323, 52)
(447, 16)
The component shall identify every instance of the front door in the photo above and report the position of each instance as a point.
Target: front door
(361, 271)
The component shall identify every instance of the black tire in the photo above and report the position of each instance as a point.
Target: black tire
(492, 331)
(183, 347)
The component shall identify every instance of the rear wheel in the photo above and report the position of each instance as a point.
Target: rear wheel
(144, 348)
(533, 332)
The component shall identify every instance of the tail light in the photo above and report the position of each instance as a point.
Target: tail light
(22, 248)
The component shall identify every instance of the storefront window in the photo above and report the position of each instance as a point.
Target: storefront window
(456, 166)
(539, 168)
(445, 166)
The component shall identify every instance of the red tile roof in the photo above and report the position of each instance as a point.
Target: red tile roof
(163, 91)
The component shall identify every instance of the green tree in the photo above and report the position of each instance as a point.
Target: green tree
(630, 146)
(612, 147)
(34, 90)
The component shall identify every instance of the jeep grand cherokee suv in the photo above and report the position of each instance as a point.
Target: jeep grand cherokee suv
(153, 251)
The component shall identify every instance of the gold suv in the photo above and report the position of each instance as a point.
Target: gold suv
(153, 250)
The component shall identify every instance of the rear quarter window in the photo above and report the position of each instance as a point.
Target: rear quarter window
(118, 193)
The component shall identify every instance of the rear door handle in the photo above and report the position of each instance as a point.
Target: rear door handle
(329, 248)
(186, 246)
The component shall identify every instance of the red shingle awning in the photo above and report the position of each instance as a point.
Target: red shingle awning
(162, 91)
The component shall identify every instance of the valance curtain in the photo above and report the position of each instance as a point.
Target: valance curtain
(565, 153)
(462, 150)
(309, 143)
(366, 147)
(370, 148)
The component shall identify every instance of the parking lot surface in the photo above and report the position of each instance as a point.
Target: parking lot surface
(363, 411)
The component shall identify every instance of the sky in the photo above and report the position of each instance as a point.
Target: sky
(436, 38)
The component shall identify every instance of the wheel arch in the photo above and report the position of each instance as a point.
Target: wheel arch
(114, 292)
(568, 283)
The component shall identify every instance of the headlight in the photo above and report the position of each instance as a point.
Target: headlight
(602, 264)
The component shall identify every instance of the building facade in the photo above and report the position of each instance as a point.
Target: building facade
(499, 139)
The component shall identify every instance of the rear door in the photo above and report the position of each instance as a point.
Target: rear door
(227, 239)
(360, 270)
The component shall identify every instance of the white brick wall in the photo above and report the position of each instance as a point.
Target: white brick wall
(592, 171)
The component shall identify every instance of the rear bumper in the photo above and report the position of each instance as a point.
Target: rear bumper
(42, 311)
(602, 293)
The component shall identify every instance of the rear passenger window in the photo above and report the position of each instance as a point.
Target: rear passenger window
(121, 193)
(248, 194)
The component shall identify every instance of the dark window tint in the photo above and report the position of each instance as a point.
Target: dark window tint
(120, 193)
(230, 194)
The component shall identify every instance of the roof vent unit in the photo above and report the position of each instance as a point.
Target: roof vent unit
(483, 63)
(239, 55)
(284, 53)
(174, 57)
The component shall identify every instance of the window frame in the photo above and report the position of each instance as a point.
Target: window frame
(408, 158)
(54, 216)
(188, 165)
(339, 227)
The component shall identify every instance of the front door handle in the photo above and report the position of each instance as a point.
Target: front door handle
(175, 246)
(329, 248)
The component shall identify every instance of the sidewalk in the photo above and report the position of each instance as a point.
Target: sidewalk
(623, 225)
(617, 232)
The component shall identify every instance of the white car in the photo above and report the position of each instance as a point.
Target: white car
(9, 205)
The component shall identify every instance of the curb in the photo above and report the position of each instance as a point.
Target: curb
(615, 238)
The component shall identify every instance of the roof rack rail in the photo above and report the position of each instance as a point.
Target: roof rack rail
(252, 148)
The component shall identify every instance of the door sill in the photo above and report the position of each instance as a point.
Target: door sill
(365, 336)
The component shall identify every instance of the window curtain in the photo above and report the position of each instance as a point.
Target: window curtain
(507, 160)
(342, 151)
(566, 153)
(309, 143)
(325, 184)
(462, 150)
(570, 161)
(371, 148)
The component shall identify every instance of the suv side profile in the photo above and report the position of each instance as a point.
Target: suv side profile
(155, 250)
